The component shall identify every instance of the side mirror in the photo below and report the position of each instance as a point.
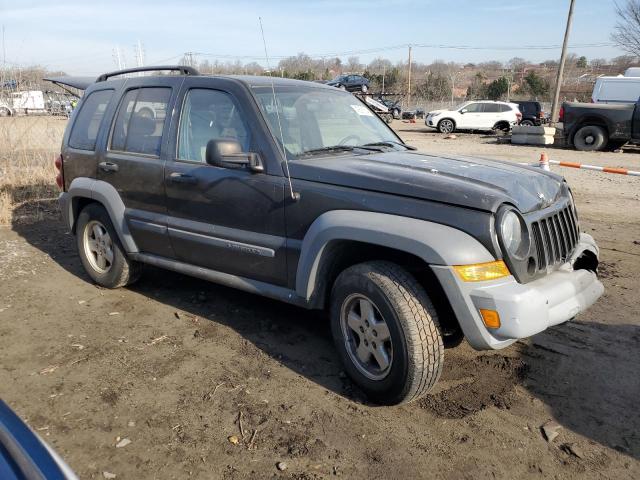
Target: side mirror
(228, 153)
(464, 110)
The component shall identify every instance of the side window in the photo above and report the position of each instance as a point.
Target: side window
(492, 107)
(208, 115)
(88, 120)
(474, 108)
(505, 108)
(140, 121)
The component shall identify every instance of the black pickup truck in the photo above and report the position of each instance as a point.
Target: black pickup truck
(597, 126)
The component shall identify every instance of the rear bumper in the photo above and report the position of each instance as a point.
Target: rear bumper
(524, 309)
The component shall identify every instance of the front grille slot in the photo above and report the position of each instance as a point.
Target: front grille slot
(555, 237)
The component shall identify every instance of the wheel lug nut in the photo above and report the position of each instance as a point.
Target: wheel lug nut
(375, 334)
(373, 344)
(361, 330)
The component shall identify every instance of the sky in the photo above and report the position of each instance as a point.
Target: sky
(79, 37)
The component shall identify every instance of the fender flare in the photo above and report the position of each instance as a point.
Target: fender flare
(108, 196)
(434, 243)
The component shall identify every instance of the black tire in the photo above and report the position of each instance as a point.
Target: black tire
(5, 112)
(590, 139)
(446, 125)
(527, 123)
(120, 271)
(417, 351)
(502, 127)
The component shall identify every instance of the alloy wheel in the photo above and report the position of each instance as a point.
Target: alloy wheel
(98, 246)
(366, 336)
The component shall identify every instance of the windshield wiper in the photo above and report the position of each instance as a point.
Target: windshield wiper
(388, 143)
(339, 148)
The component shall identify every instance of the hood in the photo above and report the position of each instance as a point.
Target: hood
(470, 182)
(438, 112)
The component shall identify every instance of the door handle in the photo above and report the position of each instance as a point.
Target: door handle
(108, 166)
(178, 177)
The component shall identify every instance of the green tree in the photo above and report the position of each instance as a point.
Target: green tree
(536, 85)
(582, 62)
(498, 88)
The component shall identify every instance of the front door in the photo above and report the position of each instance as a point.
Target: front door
(134, 160)
(226, 219)
(472, 117)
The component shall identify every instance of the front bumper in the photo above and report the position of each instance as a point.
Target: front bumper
(524, 309)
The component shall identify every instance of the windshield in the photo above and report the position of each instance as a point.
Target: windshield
(315, 119)
(461, 106)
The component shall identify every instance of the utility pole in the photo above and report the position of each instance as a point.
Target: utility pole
(556, 97)
(409, 82)
(384, 72)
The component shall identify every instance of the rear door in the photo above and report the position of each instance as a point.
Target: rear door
(79, 153)
(491, 115)
(134, 160)
(227, 219)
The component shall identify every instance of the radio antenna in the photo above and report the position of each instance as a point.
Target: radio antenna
(294, 196)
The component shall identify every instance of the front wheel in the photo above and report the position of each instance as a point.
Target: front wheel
(386, 331)
(590, 139)
(100, 250)
(446, 126)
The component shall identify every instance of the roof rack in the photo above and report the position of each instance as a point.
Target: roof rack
(184, 70)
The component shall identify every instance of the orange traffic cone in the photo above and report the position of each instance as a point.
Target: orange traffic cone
(544, 162)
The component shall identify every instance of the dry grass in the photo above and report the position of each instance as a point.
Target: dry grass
(28, 146)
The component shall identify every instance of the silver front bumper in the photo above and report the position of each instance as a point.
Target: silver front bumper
(524, 309)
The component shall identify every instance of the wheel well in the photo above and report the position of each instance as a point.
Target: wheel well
(78, 204)
(342, 254)
(501, 124)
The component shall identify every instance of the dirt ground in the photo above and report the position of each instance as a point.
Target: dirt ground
(177, 365)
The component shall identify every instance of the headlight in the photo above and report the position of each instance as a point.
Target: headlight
(513, 234)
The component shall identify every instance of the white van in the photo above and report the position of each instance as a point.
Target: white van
(616, 89)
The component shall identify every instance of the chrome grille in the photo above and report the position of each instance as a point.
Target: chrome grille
(555, 237)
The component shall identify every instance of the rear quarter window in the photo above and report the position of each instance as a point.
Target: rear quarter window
(89, 119)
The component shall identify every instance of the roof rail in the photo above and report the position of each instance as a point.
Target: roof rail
(184, 70)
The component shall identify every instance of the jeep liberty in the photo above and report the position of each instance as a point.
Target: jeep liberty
(299, 192)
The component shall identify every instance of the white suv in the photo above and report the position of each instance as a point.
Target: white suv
(478, 115)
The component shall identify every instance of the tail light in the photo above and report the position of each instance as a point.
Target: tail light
(519, 116)
(60, 176)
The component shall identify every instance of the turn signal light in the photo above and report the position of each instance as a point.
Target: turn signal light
(480, 272)
(491, 318)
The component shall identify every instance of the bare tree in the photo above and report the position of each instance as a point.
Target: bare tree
(626, 33)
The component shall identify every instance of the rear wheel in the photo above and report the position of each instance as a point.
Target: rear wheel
(590, 138)
(527, 123)
(5, 112)
(446, 126)
(386, 331)
(100, 250)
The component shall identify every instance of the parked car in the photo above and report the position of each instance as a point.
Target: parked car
(415, 113)
(251, 184)
(593, 126)
(393, 105)
(532, 113)
(24, 455)
(350, 83)
(475, 115)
